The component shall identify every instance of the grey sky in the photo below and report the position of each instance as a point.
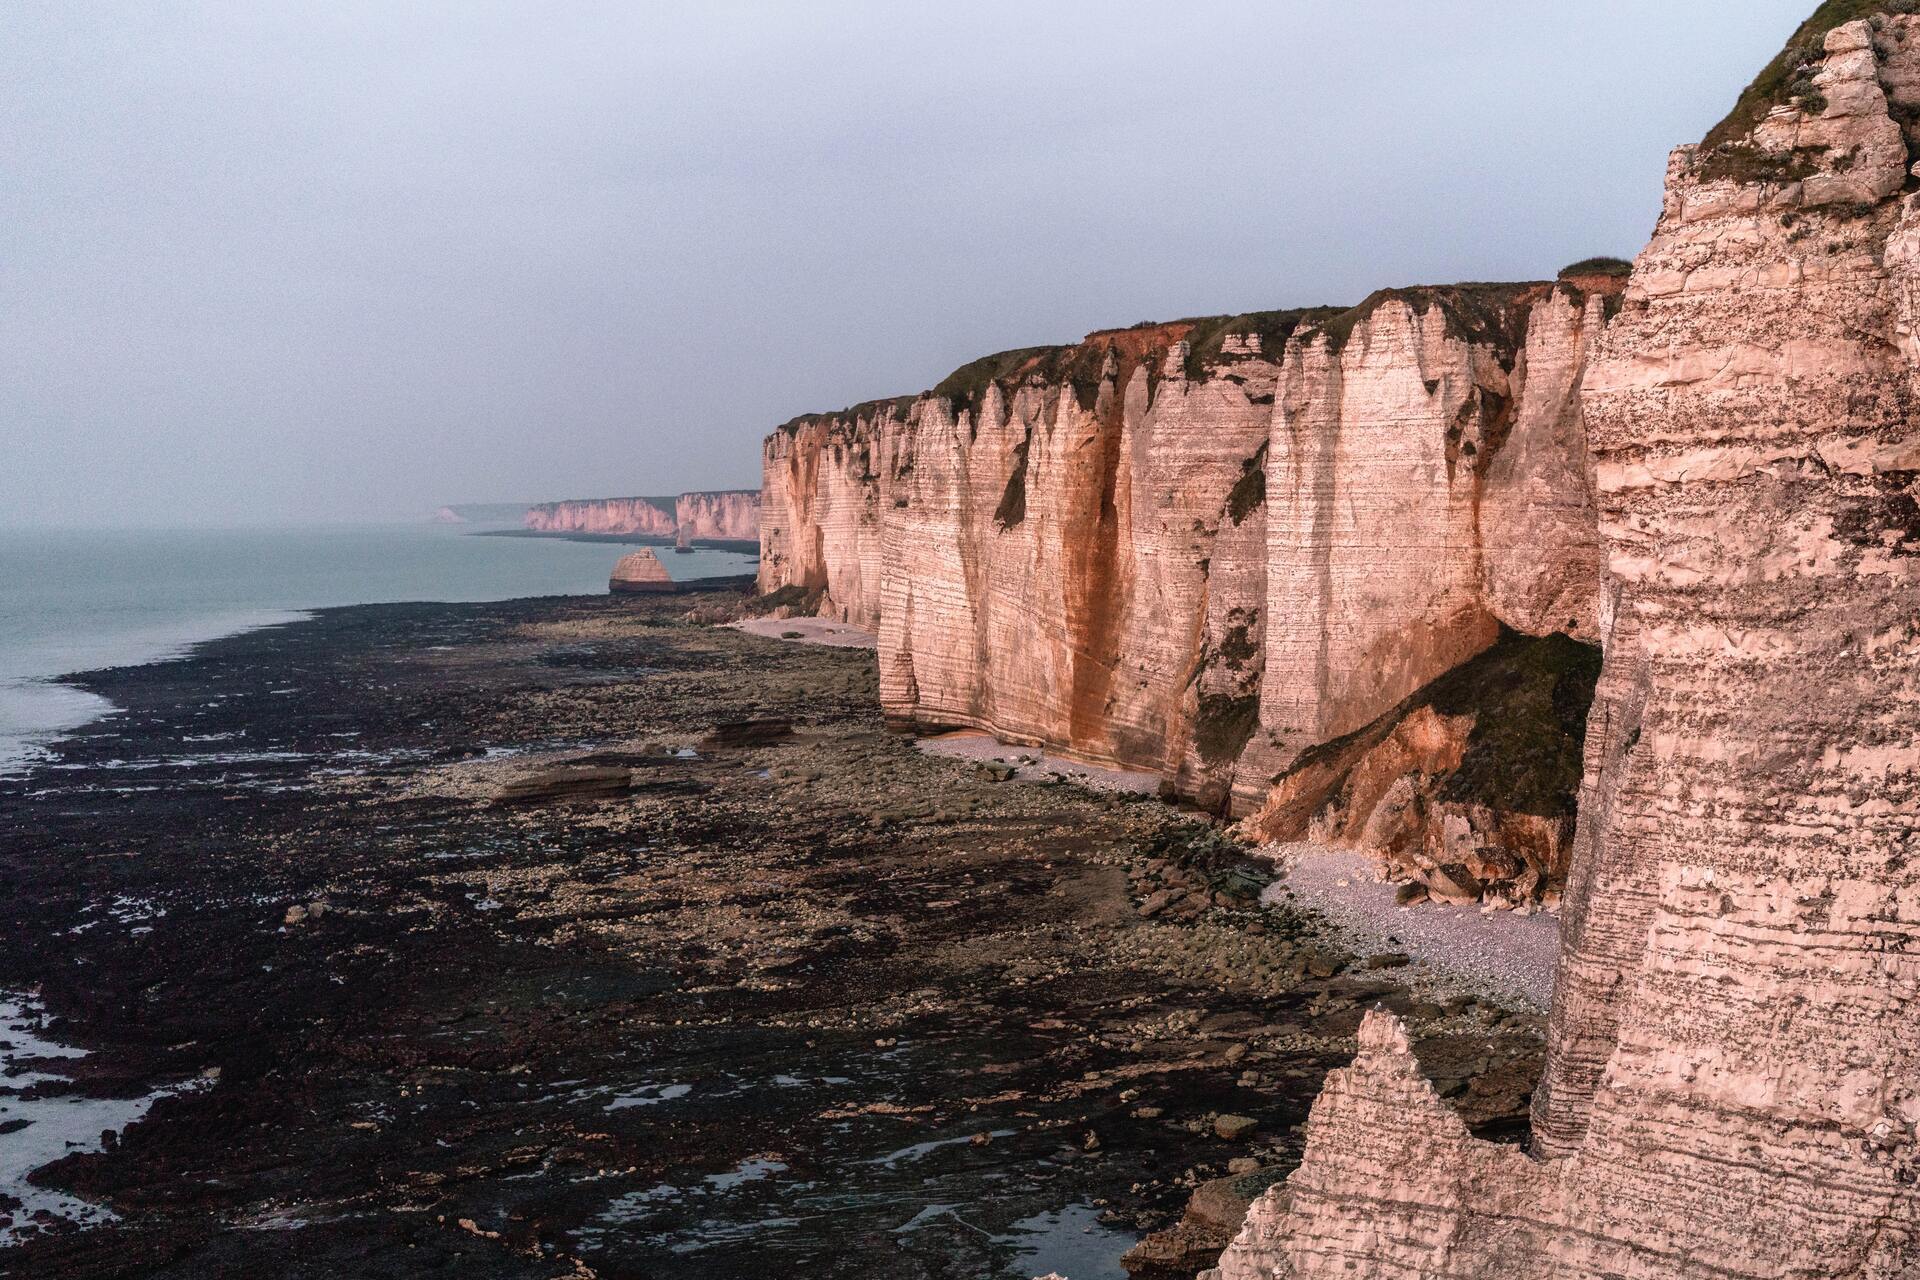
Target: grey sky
(275, 261)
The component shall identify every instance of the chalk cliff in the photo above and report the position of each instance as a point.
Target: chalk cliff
(1733, 1081)
(724, 515)
(730, 515)
(1212, 548)
(605, 515)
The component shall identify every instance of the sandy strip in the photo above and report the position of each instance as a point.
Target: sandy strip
(840, 635)
(1032, 764)
(1500, 952)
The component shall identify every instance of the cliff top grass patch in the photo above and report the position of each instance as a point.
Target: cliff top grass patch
(1485, 314)
(1597, 267)
(1081, 366)
(1779, 81)
(966, 386)
(853, 415)
(1210, 333)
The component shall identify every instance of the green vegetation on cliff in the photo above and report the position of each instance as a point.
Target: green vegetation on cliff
(1492, 315)
(1529, 698)
(1250, 490)
(1013, 502)
(1781, 80)
(1273, 328)
(1488, 314)
(1224, 725)
(1597, 267)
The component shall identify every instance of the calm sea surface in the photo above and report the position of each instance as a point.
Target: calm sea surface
(75, 600)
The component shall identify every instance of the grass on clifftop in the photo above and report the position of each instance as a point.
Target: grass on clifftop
(1484, 314)
(895, 406)
(966, 386)
(1489, 314)
(1597, 267)
(1775, 84)
(1210, 333)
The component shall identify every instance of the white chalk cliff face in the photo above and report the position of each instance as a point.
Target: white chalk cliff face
(1208, 548)
(1733, 1083)
(730, 515)
(653, 516)
(725, 515)
(825, 480)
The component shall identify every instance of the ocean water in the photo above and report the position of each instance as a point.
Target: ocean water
(77, 600)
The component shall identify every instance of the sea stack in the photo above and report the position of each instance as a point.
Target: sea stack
(640, 571)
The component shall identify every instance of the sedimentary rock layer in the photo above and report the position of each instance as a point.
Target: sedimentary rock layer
(722, 515)
(605, 515)
(1210, 547)
(731, 515)
(1733, 1084)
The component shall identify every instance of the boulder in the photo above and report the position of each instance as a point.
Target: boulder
(640, 571)
(1213, 1215)
(568, 782)
(747, 733)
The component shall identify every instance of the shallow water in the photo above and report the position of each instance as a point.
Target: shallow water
(76, 600)
(51, 1125)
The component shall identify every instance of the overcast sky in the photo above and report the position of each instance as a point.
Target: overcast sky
(278, 261)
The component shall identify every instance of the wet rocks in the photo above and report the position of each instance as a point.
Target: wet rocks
(566, 783)
(1233, 1128)
(1212, 1216)
(586, 1002)
(301, 912)
(747, 733)
(1185, 872)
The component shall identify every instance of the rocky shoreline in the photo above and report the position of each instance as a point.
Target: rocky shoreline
(793, 1004)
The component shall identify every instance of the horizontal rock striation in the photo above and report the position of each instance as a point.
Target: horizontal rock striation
(605, 515)
(730, 515)
(1210, 547)
(723, 515)
(1733, 1080)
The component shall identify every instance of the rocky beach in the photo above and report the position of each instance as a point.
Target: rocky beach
(471, 936)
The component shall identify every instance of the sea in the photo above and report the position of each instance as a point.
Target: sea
(80, 599)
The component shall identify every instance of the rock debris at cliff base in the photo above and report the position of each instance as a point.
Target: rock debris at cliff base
(823, 1005)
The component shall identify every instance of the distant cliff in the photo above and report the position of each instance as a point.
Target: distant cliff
(1244, 552)
(728, 515)
(605, 515)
